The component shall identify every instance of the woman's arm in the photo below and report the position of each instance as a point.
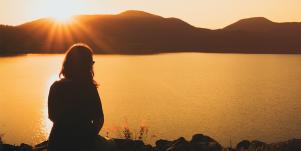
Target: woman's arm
(54, 109)
(99, 116)
(52, 113)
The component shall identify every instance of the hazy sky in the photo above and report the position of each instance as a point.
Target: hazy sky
(202, 13)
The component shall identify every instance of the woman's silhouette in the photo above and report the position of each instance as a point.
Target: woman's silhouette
(74, 105)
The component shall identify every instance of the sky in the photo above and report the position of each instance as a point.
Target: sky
(211, 14)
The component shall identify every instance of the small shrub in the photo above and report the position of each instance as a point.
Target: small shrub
(127, 133)
(143, 132)
(124, 132)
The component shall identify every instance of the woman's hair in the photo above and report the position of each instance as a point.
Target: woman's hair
(78, 64)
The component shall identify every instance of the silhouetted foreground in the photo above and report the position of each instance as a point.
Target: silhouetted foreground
(137, 32)
(198, 142)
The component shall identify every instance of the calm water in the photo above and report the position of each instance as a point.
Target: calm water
(226, 96)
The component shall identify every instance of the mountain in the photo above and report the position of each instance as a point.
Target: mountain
(260, 35)
(255, 24)
(261, 24)
(138, 32)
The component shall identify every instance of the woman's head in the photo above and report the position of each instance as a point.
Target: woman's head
(78, 63)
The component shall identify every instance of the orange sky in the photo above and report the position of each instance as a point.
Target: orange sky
(202, 13)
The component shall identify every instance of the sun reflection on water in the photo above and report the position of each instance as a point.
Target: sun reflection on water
(47, 124)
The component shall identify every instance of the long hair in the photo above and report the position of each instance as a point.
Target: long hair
(78, 64)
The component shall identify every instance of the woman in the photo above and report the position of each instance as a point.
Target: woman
(74, 105)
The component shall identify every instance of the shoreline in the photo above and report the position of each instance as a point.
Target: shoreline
(198, 142)
(155, 53)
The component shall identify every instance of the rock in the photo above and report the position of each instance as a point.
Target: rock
(181, 144)
(228, 149)
(200, 142)
(25, 147)
(42, 146)
(8, 147)
(162, 145)
(102, 144)
(22, 147)
(294, 145)
(291, 145)
(243, 145)
(258, 146)
(129, 145)
(201, 138)
(149, 148)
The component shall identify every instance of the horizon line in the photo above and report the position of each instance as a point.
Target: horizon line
(118, 13)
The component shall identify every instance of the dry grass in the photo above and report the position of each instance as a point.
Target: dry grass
(124, 132)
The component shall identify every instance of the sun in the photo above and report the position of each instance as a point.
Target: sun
(62, 11)
(63, 18)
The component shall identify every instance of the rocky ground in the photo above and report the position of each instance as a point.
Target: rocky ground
(198, 142)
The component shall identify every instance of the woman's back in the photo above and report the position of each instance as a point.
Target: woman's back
(72, 108)
(74, 105)
(73, 102)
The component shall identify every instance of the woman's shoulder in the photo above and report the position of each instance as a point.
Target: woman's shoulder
(69, 82)
(60, 83)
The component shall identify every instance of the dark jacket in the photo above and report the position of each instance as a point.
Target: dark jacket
(75, 109)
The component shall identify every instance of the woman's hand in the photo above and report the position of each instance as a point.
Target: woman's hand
(97, 125)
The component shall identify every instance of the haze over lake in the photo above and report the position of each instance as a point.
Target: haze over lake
(226, 96)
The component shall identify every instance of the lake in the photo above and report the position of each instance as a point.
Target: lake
(229, 97)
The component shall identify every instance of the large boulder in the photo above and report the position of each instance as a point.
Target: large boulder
(258, 146)
(162, 145)
(200, 142)
(243, 145)
(103, 144)
(201, 138)
(25, 147)
(290, 145)
(41, 146)
(294, 145)
(180, 144)
(130, 145)
(8, 147)
(22, 147)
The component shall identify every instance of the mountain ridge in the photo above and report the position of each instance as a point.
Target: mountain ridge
(139, 32)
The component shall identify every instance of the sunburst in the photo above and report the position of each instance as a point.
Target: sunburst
(63, 10)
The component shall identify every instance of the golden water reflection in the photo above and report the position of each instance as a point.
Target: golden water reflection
(47, 124)
(222, 95)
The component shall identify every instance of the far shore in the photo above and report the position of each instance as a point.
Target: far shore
(155, 53)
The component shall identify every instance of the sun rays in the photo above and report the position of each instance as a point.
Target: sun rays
(56, 37)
